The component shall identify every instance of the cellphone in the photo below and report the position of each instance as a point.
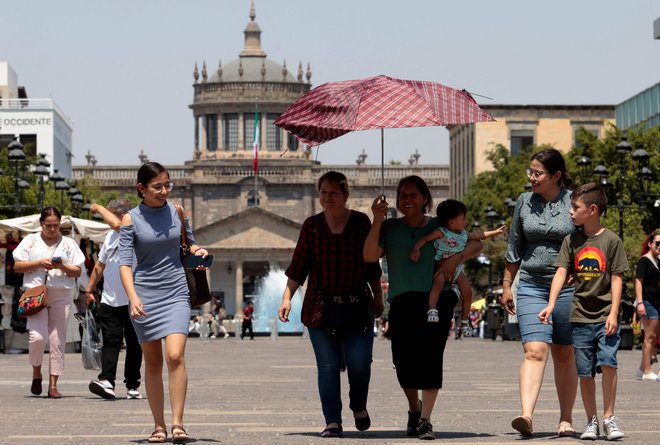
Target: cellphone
(57, 259)
(193, 261)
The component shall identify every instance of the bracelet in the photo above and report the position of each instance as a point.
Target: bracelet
(507, 279)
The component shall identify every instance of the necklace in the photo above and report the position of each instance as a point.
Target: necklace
(414, 229)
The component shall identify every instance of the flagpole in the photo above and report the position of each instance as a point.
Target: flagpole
(255, 161)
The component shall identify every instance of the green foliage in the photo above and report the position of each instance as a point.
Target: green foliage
(508, 179)
(28, 202)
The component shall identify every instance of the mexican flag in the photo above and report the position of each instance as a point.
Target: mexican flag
(255, 145)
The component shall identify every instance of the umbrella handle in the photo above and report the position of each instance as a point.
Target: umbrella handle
(382, 163)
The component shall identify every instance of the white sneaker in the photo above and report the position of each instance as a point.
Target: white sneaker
(639, 373)
(133, 394)
(611, 429)
(102, 388)
(650, 377)
(591, 431)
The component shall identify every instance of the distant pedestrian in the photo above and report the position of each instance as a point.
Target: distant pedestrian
(541, 220)
(53, 260)
(248, 315)
(113, 312)
(647, 303)
(152, 274)
(418, 347)
(596, 259)
(218, 314)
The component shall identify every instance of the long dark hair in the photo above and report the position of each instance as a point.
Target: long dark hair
(647, 241)
(50, 211)
(421, 187)
(553, 161)
(147, 172)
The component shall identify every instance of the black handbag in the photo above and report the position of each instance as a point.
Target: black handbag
(343, 313)
(347, 313)
(198, 285)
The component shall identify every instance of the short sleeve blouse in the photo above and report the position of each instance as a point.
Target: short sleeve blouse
(33, 248)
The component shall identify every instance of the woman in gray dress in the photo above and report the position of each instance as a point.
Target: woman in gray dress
(153, 277)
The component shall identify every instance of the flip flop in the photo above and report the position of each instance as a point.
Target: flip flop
(523, 425)
(332, 432)
(565, 429)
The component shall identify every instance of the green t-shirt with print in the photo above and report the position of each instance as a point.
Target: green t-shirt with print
(592, 261)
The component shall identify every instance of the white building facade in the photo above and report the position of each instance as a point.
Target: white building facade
(39, 124)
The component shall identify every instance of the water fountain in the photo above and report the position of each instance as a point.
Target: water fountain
(267, 299)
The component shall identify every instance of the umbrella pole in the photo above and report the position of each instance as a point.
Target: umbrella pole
(382, 163)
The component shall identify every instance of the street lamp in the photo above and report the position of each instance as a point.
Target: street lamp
(16, 157)
(61, 185)
(42, 170)
(492, 216)
(640, 157)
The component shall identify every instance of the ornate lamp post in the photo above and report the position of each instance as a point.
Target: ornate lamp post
(16, 158)
(42, 170)
(61, 185)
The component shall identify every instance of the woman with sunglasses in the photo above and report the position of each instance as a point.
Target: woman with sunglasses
(647, 302)
(48, 258)
(152, 274)
(541, 221)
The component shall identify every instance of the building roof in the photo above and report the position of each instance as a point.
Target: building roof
(252, 64)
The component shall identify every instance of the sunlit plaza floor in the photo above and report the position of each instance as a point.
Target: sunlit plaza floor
(264, 392)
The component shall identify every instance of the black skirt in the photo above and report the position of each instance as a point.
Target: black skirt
(418, 346)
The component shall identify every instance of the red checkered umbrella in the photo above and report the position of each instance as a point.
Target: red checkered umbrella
(336, 108)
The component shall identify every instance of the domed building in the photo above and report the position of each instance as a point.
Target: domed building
(226, 102)
(249, 221)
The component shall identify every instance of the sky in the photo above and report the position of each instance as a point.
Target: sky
(122, 69)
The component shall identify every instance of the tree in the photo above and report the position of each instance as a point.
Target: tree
(28, 202)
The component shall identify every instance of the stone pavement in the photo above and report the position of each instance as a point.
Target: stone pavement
(264, 392)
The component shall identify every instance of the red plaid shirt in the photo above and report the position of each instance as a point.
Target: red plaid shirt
(332, 261)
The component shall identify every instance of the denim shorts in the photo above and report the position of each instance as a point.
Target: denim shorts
(593, 348)
(652, 310)
(532, 299)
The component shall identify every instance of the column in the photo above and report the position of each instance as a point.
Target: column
(221, 142)
(204, 130)
(239, 289)
(196, 133)
(241, 132)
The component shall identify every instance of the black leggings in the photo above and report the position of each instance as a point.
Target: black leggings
(418, 346)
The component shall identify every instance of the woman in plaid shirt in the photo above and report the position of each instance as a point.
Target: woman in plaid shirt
(329, 252)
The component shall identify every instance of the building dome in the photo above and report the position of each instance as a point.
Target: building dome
(254, 69)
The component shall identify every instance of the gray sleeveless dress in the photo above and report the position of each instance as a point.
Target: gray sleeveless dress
(160, 281)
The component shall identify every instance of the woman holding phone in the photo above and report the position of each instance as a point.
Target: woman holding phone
(48, 258)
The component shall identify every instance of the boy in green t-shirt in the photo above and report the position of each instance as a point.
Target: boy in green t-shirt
(596, 259)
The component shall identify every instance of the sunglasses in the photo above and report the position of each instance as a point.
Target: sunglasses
(656, 243)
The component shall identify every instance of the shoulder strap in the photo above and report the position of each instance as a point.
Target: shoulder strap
(184, 237)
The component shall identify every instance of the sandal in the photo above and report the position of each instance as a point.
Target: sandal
(523, 425)
(53, 393)
(565, 429)
(180, 436)
(158, 436)
(335, 431)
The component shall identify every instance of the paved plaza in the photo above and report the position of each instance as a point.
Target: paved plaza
(264, 392)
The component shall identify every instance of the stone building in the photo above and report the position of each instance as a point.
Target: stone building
(251, 222)
(516, 127)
